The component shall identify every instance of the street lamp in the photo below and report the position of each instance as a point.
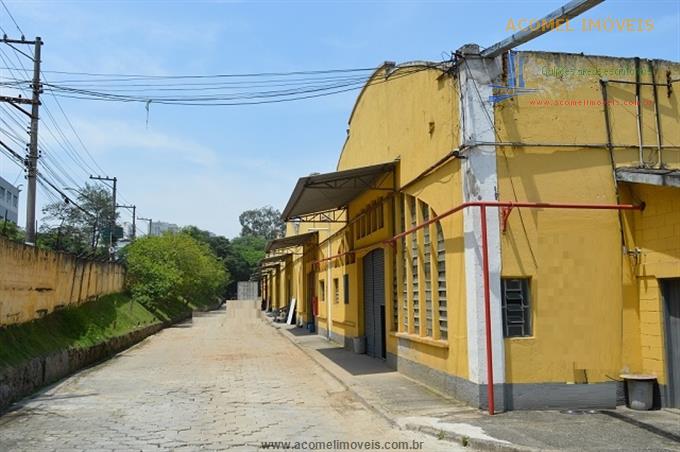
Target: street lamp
(329, 321)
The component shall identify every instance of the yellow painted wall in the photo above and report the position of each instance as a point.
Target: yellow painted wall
(582, 290)
(594, 313)
(656, 232)
(523, 119)
(413, 118)
(34, 282)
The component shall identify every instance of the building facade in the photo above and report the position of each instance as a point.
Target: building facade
(9, 201)
(160, 227)
(513, 220)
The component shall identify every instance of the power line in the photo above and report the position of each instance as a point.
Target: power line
(234, 99)
(206, 76)
(12, 17)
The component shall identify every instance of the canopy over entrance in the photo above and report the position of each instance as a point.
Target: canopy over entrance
(293, 240)
(320, 196)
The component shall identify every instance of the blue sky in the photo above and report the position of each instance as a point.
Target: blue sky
(205, 165)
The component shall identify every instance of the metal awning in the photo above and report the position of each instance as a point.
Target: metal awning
(275, 259)
(293, 240)
(650, 176)
(325, 193)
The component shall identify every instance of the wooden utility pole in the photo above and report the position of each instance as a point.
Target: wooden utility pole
(149, 220)
(134, 216)
(112, 223)
(31, 161)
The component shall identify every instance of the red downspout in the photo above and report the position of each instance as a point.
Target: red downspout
(487, 312)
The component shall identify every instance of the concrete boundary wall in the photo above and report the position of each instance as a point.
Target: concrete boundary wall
(23, 380)
(35, 282)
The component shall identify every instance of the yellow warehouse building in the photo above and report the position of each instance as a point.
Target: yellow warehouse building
(387, 255)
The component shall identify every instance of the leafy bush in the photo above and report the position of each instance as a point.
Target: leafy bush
(173, 266)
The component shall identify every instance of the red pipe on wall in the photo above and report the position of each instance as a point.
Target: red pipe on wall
(487, 312)
(483, 205)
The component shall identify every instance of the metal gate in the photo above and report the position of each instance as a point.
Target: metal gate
(670, 290)
(374, 303)
(246, 290)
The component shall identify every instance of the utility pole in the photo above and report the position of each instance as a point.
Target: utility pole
(147, 219)
(32, 159)
(134, 225)
(112, 223)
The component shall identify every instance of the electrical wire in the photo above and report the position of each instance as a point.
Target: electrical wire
(9, 13)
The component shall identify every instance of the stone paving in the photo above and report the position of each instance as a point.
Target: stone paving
(225, 381)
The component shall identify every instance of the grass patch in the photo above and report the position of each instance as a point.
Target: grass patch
(85, 325)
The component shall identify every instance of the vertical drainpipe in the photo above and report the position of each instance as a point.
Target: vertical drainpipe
(480, 182)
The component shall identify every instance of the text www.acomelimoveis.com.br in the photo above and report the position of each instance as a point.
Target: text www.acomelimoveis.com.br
(587, 102)
(342, 445)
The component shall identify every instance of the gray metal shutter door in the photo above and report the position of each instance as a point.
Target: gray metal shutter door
(379, 301)
(671, 295)
(369, 326)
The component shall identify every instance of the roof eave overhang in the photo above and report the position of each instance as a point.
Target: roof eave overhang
(348, 183)
(291, 241)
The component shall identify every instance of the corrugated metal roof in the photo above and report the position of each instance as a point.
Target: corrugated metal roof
(332, 191)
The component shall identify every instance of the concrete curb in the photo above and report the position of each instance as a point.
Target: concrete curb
(465, 441)
(320, 363)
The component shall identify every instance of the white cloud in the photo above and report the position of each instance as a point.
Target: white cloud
(105, 136)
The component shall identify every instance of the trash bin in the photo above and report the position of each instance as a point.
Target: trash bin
(640, 390)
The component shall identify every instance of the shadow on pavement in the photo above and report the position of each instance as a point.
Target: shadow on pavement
(300, 332)
(355, 364)
(643, 425)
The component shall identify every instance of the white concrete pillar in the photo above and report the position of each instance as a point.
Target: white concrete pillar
(480, 183)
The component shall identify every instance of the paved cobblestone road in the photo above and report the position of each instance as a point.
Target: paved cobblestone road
(226, 381)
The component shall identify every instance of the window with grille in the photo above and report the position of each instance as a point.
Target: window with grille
(516, 307)
(414, 265)
(441, 283)
(395, 285)
(422, 245)
(345, 288)
(404, 268)
(370, 220)
(336, 290)
(427, 259)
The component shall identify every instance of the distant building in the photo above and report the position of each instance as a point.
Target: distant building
(9, 201)
(160, 227)
(127, 230)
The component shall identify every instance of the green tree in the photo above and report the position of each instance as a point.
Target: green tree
(263, 222)
(66, 227)
(11, 231)
(173, 266)
(246, 252)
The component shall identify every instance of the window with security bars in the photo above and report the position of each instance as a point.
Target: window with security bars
(441, 283)
(427, 259)
(516, 307)
(414, 265)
